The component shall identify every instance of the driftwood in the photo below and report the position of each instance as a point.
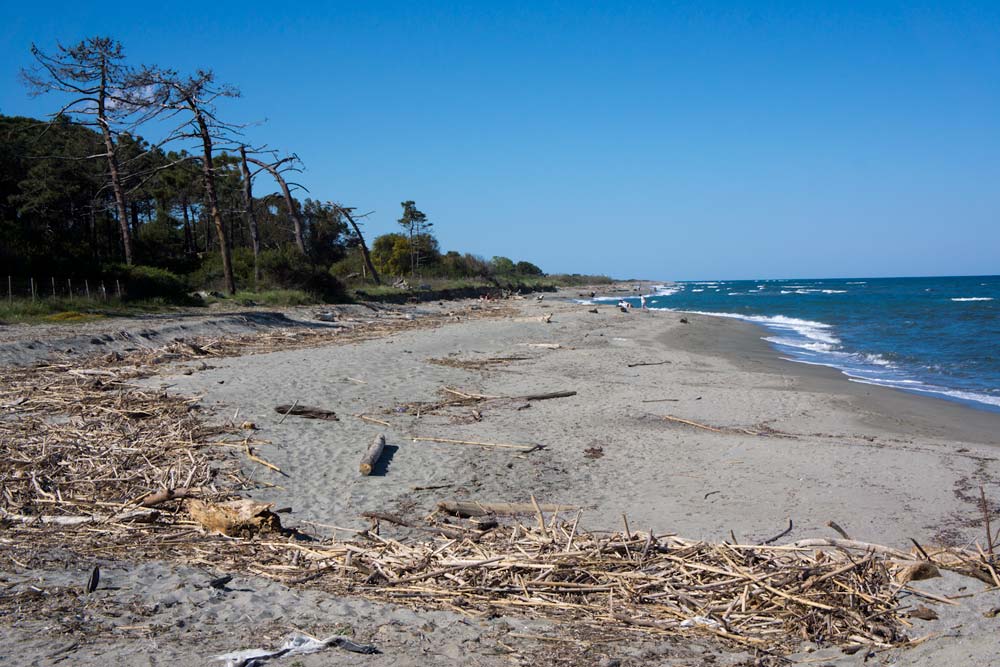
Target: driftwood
(649, 363)
(463, 398)
(159, 497)
(136, 516)
(493, 445)
(306, 411)
(453, 532)
(851, 544)
(766, 432)
(372, 456)
(468, 508)
(366, 418)
(545, 397)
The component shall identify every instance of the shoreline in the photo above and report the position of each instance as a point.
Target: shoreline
(743, 343)
(621, 290)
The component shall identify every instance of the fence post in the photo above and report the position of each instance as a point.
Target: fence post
(104, 291)
(32, 290)
(53, 287)
(118, 288)
(10, 291)
(86, 286)
(69, 288)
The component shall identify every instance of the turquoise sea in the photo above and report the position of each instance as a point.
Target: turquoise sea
(936, 336)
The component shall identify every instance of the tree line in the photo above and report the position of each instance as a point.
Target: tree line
(82, 192)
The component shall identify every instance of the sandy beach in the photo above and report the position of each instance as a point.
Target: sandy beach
(696, 428)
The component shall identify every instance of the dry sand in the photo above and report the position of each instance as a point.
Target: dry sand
(793, 442)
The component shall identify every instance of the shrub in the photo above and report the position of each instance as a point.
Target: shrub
(286, 268)
(148, 282)
(527, 269)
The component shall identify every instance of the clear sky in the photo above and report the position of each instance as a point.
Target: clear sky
(661, 140)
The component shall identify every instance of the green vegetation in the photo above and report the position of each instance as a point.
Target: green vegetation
(89, 209)
(277, 297)
(62, 310)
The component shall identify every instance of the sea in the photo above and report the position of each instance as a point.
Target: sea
(936, 336)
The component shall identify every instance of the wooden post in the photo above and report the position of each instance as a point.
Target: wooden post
(86, 287)
(10, 291)
(372, 455)
(53, 287)
(32, 290)
(104, 291)
(118, 288)
(69, 288)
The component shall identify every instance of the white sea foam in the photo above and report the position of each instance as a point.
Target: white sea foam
(973, 298)
(812, 346)
(877, 360)
(813, 331)
(698, 290)
(815, 344)
(972, 396)
(858, 282)
(834, 291)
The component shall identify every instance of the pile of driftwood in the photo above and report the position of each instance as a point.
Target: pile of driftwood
(83, 446)
(290, 338)
(832, 592)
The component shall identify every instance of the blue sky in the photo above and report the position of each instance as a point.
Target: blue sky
(659, 140)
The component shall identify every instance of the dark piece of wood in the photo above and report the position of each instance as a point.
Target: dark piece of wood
(545, 397)
(781, 534)
(373, 454)
(649, 363)
(307, 412)
(361, 239)
(95, 579)
(468, 508)
(275, 169)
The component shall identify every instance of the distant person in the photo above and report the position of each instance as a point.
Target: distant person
(642, 301)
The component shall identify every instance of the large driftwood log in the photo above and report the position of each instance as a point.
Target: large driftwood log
(468, 508)
(372, 455)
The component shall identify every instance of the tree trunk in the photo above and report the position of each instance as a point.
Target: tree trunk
(208, 173)
(413, 255)
(292, 211)
(188, 236)
(250, 215)
(116, 183)
(364, 246)
(135, 218)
